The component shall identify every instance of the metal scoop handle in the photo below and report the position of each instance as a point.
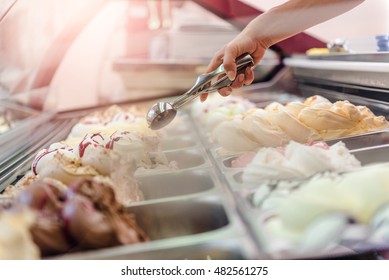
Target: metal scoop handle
(213, 81)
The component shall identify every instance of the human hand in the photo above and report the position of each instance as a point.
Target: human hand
(243, 43)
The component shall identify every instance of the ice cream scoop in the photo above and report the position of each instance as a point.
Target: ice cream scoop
(162, 113)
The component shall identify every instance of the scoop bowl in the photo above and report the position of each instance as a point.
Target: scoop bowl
(160, 115)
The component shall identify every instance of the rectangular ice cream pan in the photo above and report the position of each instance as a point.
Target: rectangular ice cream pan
(177, 184)
(234, 179)
(183, 159)
(176, 225)
(181, 218)
(220, 154)
(227, 162)
(256, 218)
(236, 184)
(217, 247)
(353, 143)
(20, 133)
(181, 127)
(179, 142)
(271, 247)
(188, 158)
(208, 143)
(362, 141)
(371, 155)
(261, 93)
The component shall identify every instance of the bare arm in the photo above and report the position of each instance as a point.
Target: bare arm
(271, 27)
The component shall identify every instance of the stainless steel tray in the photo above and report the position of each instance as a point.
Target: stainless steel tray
(368, 148)
(180, 183)
(374, 154)
(369, 152)
(201, 210)
(371, 139)
(199, 228)
(381, 57)
(355, 72)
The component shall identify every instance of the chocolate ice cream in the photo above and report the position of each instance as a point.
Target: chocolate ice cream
(84, 216)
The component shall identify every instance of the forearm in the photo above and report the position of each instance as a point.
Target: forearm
(271, 27)
(293, 17)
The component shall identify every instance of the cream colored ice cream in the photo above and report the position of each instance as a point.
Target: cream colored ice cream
(261, 130)
(236, 105)
(55, 164)
(217, 109)
(118, 130)
(107, 121)
(15, 238)
(91, 158)
(297, 160)
(289, 124)
(231, 136)
(248, 133)
(316, 118)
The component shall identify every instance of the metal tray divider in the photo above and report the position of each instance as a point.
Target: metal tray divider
(232, 231)
(12, 139)
(12, 167)
(233, 200)
(376, 106)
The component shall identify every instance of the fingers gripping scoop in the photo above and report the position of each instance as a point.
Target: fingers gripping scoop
(162, 113)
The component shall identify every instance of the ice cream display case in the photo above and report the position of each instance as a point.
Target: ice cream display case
(196, 195)
(291, 167)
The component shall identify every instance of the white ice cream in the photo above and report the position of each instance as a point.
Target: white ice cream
(297, 160)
